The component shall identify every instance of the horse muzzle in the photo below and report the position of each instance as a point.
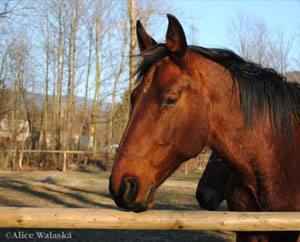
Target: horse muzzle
(207, 199)
(127, 194)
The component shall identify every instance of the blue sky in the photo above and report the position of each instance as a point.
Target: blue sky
(213, 17)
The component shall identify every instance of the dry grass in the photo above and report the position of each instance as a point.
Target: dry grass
(90, 190)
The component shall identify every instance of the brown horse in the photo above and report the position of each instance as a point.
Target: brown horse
(219, 183)
(214, 183)
(188, 97)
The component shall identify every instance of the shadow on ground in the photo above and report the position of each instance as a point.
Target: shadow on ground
(31, 190)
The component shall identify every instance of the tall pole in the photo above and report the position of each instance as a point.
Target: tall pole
(132, 49)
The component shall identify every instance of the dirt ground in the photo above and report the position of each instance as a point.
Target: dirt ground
(89, 189)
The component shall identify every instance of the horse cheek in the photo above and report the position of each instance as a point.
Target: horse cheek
(166, 130)
(196, 132)
(167, 134)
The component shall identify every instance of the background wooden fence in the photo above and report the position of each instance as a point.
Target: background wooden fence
(19, 156)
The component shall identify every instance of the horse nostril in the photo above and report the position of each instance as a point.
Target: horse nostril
(129, 189)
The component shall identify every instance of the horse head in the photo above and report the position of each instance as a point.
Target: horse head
(159, 135)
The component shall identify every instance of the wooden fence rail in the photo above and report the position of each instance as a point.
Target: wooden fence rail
(11, 217)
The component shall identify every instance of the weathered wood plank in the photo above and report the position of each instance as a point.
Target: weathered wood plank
(155, 219)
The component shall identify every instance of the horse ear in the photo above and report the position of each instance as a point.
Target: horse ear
(176, 41)
(145, 41)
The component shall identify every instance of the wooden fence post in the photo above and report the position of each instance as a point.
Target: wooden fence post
(21, 160)
(65, 162)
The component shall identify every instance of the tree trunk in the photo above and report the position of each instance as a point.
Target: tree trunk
(72, 108)
(132, 48)
(112, 107)
(85, 96)
(93, 120)
(46, 102)
(59, 80)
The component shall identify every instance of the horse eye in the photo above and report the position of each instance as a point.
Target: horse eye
(169, 102)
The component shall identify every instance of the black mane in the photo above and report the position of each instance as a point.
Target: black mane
(261, 89)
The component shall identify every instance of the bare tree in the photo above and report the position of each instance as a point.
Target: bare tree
(76, 14)
(71, 51)
(193, 33)
(281, 48)
(149, 13)
(250, 36)
(46, 101)
(9, 8)
(100, 28)
(132, 48)
(60, 64)
(121, 35)
(18, 58)
(5, 106)
(255, 41)
(261, 42)
(236, 32)
(297, 60)
(84, 111)
(43, 27)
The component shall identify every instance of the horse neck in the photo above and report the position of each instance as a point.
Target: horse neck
(256, 154)
(228, 135)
